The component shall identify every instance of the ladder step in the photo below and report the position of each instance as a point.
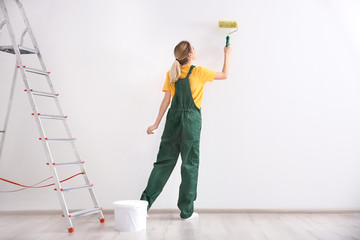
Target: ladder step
(2, 131)
(59, 139)
(37, 71)
(52, 117)
(76, 188)
(23, 50)
(67, 163)
(45, 94)
(85, 212)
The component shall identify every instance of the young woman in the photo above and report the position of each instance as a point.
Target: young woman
(184, 84)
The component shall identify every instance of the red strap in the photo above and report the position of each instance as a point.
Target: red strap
(35, 185)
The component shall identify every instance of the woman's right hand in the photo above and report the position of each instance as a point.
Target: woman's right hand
(227, 50)
(151, 129)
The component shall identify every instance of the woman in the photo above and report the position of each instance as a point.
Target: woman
(184, 84)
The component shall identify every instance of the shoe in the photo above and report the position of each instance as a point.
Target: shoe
(192, 217)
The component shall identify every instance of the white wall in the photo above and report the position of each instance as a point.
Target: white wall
(281, 133)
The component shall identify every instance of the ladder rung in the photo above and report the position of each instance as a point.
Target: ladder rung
(45, 94)
(23, 50)
(37, 71)
(76, 188)
(85, 212)
(59, 139)
(56, 117)
(2, 131)
(67, 163)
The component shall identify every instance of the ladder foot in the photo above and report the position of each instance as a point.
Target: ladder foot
(102, 220)
(71, 229)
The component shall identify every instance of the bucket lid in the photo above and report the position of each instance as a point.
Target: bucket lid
(130, 203)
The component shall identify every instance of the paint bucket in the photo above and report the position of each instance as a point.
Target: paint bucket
(130, 215)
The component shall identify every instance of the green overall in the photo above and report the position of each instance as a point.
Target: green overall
(181, 135)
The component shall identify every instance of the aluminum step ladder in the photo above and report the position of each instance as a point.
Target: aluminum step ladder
(18, 50)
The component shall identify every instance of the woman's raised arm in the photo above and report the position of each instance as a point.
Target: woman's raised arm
(224, 74)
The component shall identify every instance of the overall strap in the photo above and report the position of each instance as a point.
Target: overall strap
(183, 99)
(191, 68)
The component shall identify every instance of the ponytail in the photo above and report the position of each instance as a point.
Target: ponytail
(175, 71)
(181, 52)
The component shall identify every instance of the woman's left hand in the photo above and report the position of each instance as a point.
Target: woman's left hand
(151, 129)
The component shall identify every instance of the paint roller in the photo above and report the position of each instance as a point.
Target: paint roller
(228, 24)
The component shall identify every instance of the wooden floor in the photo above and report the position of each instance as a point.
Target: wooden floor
(214, 226)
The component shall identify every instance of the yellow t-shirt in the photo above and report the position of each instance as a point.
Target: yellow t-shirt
(198, 77)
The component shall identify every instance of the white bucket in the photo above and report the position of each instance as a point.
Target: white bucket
(130, 215)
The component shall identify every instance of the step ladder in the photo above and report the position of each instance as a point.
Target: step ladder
(18, 50)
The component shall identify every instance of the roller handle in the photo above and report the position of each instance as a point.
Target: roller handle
(227, 40)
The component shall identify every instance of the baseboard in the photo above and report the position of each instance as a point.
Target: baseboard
(261, 211)
(201, 210)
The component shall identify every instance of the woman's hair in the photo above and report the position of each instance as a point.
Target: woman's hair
(181, 53)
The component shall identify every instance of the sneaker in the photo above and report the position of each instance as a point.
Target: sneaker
(192, 217)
